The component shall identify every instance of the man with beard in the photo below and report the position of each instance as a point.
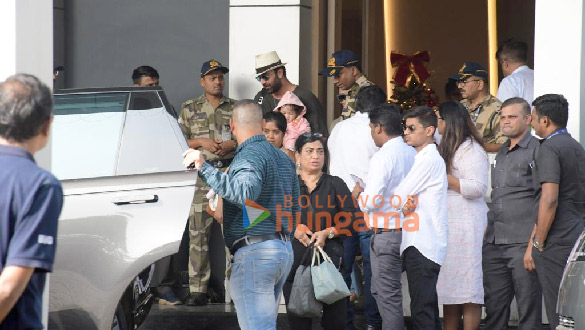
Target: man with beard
(271, 73)
(205, 124)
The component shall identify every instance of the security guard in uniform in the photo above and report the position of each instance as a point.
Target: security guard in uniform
(347, 75)
(484, 108)
(205, 124)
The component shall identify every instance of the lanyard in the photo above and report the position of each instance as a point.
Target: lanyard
(476, 112)
(557, 132)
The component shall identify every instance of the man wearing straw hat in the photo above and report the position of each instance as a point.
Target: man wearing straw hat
(271, 73)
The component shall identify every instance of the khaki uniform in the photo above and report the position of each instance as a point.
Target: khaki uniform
(198, 119)
(349, 109)
(486, 117)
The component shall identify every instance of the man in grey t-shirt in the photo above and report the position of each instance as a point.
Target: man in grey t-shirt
(508, 269)
(560, 168)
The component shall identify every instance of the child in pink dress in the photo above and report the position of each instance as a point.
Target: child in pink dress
(293, 110)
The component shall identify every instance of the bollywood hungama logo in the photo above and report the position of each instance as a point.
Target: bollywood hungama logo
(253, 211)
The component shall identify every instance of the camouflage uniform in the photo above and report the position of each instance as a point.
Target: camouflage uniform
(486, 117)
(199, 119)
(349, 109)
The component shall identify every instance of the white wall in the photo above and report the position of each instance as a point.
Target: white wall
(257, 27)
(27, 47)
(559, 55)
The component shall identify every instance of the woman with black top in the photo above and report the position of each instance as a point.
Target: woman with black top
(322, 197)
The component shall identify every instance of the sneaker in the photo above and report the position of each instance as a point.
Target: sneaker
(167, 297)
(196, 299)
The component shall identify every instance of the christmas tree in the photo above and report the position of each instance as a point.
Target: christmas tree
(410, 89)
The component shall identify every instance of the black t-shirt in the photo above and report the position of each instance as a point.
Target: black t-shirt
(30, 203)
(561, 160)
(329, 199)
(315, 113)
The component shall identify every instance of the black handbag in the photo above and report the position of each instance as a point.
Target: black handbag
(302, 301)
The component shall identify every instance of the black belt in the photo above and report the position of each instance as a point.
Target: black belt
(220, 163)
(382, 230)
(253, 239)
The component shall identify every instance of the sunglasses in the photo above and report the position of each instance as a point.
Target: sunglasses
(410, 128)
(341, 97)
(262, 76)
(308, 135)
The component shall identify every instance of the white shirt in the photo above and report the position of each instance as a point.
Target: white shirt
(428, 181)
(519, 83)
(350, 148)
(388, 167)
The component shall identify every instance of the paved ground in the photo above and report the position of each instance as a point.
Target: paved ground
(212, 317)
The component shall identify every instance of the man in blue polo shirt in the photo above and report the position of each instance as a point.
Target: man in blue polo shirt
(30, 202)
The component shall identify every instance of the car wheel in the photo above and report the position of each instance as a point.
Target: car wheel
(120, 321)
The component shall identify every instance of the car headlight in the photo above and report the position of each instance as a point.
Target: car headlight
(566, 323)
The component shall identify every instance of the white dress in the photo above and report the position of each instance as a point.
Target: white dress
(461, 276)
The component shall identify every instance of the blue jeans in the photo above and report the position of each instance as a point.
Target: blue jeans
(258, 274)
(351, 245)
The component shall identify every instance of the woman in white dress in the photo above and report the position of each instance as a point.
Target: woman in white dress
(460, 284)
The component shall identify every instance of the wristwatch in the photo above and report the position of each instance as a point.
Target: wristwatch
(331, 234)
(536, 244)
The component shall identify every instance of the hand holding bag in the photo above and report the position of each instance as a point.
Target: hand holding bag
(328, 282)
(302, 300)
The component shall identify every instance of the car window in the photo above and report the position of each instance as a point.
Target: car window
(152, 141)
(86, 134)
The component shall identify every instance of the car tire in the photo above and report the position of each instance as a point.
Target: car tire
(120, 321)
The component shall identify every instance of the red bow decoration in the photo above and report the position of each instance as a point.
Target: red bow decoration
(407, 65)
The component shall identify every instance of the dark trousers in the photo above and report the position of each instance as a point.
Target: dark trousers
(550, 265)
(333, 315)
(504, 277)
(422, 275)
(386, 278)
(352, 245)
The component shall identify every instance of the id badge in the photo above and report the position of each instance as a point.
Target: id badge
(226, 133)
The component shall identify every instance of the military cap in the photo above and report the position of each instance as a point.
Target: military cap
(470, 69)
(339, 60)
(212, 65)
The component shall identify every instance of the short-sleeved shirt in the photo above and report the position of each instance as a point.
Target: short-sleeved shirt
(486, 117)
(511, 215)
(199, 119)
(30, 203)
(315, 112)
(561, 160)
(349, 109)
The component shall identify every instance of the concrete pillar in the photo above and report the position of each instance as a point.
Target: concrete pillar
(558, 57)
(259, 26)
(27, 47)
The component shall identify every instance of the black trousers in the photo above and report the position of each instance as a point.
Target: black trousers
(550, 265)
(504, 277)
(422, 275)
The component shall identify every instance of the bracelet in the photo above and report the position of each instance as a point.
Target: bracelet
(331, 233)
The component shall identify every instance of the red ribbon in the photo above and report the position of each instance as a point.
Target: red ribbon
(407, 65)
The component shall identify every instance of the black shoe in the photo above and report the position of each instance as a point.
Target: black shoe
(196, 299)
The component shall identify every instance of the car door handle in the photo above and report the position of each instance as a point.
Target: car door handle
(137, 199)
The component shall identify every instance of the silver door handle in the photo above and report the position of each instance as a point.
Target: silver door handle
(138, 199)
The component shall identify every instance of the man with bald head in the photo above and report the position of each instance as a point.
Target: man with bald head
(260, 187)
